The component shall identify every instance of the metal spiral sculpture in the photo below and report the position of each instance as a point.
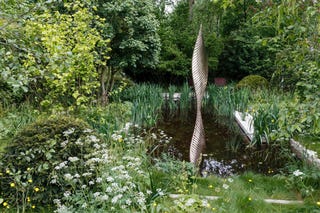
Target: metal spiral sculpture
(200, 79)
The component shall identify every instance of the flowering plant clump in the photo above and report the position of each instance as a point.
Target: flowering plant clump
(302, 182)
(48, 158)
(122, 184)
(191, 203)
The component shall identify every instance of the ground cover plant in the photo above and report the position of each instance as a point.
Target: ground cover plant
(76, 136)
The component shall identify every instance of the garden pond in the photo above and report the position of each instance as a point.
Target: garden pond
(226, 152)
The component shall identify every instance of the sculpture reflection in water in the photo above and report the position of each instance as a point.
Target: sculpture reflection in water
(200, 79)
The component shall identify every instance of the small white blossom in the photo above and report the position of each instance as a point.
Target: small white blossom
(96, 194)
(68, 132)
(87, 130)
(67, 193)
(230, 180)
(73, 159)
(297, 173)
(93, 138)
(225, 186)
(68, 176)
(190, 202)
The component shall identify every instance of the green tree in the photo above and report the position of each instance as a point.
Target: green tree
(132, 27)
(69, 46)
(15, 47)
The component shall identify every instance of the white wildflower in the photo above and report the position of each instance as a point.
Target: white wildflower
(67, 193)
(99, 180)
(64, 143)
(68, 176)
(86, 174)
(116, 198)
(93, 138)
(110, 179)
(96, 194)
(154, 136)
(87, 130)
(97, 146)
(297, 173)
(68, 132)
(104, 197)
(225, 186)
(128, 202)
(190, 202)
(73, 159)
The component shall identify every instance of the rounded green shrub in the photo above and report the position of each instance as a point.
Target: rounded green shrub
(253, 82)
(49, 159)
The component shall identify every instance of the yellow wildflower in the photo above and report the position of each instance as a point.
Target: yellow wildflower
(154, 204)
(30, 180)
(318, 203)
(8, 171)
(28, 169)
(12, 184)
(36, 189)
(249, 198)
(250, 181)
(33, 206)
(120, 140)
(28, 199)
(210, 186)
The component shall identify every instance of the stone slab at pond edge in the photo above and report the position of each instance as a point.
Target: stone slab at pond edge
(245, 121)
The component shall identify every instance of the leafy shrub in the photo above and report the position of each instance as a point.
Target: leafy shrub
(253, 82)
(107, 119)
(45, 159)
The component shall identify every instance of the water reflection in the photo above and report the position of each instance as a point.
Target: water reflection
(225, 152)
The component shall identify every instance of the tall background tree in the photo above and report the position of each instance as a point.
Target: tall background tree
(133, 28)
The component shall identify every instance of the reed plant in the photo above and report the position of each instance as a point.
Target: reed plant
(223, 101)
(172, 103)
(186, 98)
(147, 101)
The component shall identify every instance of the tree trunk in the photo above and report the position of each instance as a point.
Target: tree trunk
(107, 83)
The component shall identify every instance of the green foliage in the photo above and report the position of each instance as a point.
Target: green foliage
(176, 52)
(69, 46)
(132, 26)
(146, 101)
(15, 46)
(108, 119)
(265, 123)
(44, 157)
(295, 39)
(253, 82)
(14, 119)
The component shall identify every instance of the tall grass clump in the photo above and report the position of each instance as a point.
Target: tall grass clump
(223, 101)
(172, 103)
(146, 102)
(108, 119)
(14, 119)
(185, 100)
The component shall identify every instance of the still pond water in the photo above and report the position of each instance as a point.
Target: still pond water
(226, 152)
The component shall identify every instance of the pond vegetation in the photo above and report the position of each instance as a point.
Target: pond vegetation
(83, 116)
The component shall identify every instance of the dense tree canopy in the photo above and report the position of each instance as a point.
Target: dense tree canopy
(69, 53)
